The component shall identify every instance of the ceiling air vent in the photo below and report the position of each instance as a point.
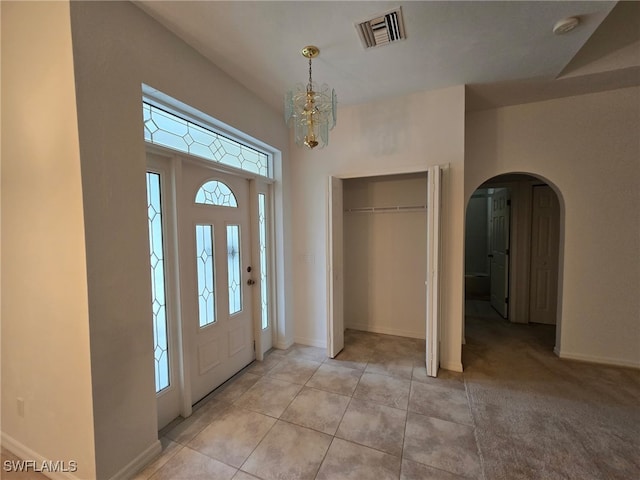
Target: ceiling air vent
(383, 29)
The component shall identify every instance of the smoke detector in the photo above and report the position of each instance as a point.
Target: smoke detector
(565, 25)
(382, 29)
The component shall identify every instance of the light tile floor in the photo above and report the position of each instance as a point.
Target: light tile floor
(370, 413)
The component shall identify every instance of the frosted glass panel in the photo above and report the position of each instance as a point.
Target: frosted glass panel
(216, 193)
(264, 283)
(206, 276)
(169, 130)
(158, 290)
(234, 268)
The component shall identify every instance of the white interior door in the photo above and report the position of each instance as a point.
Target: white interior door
(335, 270)
(434, 182)
(500, 250)
(216, 276)
(545, 235)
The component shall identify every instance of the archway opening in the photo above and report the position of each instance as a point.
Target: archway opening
(512, 258)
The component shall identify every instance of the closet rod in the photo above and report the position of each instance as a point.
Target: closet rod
(398, 208)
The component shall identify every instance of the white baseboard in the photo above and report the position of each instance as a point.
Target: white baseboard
(25, 453)
(616, 362)
(282, 346)
(311, 342)
(138, 463)
(387, 331)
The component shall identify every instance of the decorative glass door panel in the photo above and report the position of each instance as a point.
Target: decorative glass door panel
(158, 290)
(264, 272)
(263, 295)
(206, 275)
(234, 269)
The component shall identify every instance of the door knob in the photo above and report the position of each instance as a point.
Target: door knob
(251, 281)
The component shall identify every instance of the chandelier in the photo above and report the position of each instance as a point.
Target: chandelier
(311, 109)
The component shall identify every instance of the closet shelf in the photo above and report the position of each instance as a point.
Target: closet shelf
(397, 208)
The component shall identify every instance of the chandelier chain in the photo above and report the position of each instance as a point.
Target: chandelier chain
(309, 87)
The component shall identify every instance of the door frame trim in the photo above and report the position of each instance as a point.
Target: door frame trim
(255, 188)
(173, 299)
(519, 303)
(381, 172)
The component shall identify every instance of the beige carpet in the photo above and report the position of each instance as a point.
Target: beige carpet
(539, 417)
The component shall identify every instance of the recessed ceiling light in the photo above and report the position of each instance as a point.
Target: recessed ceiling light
(565, 25)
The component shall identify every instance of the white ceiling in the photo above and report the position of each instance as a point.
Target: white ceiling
(505, 51)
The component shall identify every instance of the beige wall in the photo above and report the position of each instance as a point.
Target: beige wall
(385, 255)
(77, 336)
(396, 135)
(116, 48)
(45, 322)
(587, 148)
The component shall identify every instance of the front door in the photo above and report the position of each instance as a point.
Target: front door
(216, 276)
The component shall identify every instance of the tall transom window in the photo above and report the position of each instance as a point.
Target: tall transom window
(169, 130)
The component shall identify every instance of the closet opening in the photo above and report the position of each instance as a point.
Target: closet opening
(385, 233)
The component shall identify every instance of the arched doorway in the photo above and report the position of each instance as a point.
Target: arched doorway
(513, 232)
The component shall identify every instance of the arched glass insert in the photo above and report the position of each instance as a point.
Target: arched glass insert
(216, 193)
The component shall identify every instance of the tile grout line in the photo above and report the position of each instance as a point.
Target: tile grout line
(475, 428)
(247, 409)
(285, 421)
(358, 443)
(259, 443)
(404, 435)
(148, 477)
(237, 469)
(324, 457)
(337, 428)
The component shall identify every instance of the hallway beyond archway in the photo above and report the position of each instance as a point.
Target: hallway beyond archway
(512, 248)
